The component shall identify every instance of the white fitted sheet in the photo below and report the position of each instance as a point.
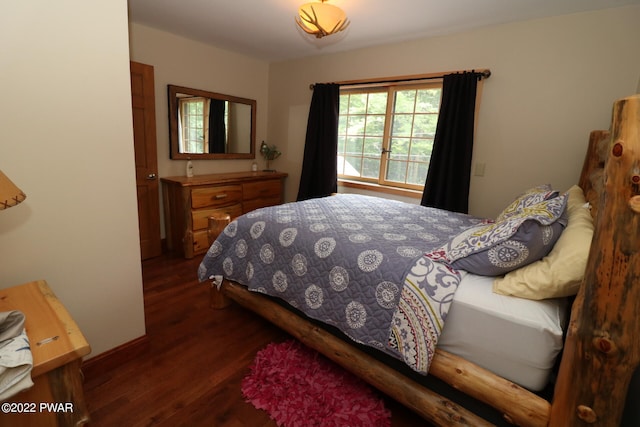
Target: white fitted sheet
(516, 338)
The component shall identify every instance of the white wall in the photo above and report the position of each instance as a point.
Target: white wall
(553, 81)
(183, 62)
(66, 141)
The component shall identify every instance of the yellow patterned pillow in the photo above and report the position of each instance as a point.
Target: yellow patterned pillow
(560, 273)
(530, 197)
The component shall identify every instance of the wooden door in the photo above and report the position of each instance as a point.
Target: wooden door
(146, 158)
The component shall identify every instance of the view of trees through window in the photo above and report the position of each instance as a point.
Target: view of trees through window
(192, 122)
(385, 134)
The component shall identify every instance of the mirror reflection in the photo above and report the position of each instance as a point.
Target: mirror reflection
(209, 125)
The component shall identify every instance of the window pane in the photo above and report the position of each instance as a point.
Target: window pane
(405, 101)
(428, 101)
(341, 144)
(344, 104)
(421, 150)
(355, 125)
(342, 125)
(377, 103)
(396, 171)
(375, 125)
(340, 164)
(352, 165)
(402, 125)
(354, 145)
(373, 146)
(417, 173)
(399, 149)
(371, 167)
(357, 103)
(424, 125)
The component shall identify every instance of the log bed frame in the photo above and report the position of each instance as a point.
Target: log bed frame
(601, 350)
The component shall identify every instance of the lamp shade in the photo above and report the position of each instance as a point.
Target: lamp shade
(321, 19)
(10, 194)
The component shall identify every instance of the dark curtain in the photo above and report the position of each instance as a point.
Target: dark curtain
(447, 184)
(319, 176)
(217, 131)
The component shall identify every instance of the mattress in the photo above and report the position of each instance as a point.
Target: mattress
(516, 338)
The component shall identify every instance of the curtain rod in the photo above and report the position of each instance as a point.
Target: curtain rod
(482, 74)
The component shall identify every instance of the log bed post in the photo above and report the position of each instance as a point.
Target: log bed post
(602, 348)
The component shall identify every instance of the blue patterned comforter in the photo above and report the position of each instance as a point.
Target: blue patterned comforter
(352, 261)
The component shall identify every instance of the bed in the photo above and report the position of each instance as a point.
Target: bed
(442, 295)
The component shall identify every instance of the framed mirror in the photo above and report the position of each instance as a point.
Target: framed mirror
(209, 125)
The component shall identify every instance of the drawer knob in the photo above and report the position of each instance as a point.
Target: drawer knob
(220, 196)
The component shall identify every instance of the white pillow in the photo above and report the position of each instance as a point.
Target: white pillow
(560, 273)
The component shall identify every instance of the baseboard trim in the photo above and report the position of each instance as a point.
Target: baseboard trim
(115, 357)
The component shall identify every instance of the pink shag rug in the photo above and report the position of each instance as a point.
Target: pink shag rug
(297, 386)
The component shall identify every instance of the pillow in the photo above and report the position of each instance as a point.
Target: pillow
(560, 273)
(517, 240)
(530, 243)
(530, 197)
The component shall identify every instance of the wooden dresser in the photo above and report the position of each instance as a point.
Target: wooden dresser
(189, 202)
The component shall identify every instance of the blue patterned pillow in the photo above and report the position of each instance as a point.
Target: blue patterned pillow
(502, 246)
(530, 197)
(530, 243)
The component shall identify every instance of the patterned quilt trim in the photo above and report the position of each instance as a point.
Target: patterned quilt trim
(421, 312)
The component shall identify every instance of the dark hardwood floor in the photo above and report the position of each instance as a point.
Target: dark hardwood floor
(196, 360)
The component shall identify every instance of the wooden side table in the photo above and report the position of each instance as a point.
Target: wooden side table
(57, 346)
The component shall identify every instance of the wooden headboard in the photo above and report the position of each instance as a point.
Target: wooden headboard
(602, 349)
(592, 175)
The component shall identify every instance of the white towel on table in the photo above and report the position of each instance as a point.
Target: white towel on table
(16, 360)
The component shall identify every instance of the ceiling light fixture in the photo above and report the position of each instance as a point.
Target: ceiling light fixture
(321, 19)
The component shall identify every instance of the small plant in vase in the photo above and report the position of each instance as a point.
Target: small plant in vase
(269, 152)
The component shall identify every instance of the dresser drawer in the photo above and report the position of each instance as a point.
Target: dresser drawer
(262, 189)
(200, 217)
(200, 242)
(219, 195)
(251, 205)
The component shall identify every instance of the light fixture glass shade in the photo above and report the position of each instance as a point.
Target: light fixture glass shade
(10, 194)
(321, 19)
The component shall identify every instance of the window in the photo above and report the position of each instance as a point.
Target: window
(385, 133)
(193, 119)
(194, 123)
